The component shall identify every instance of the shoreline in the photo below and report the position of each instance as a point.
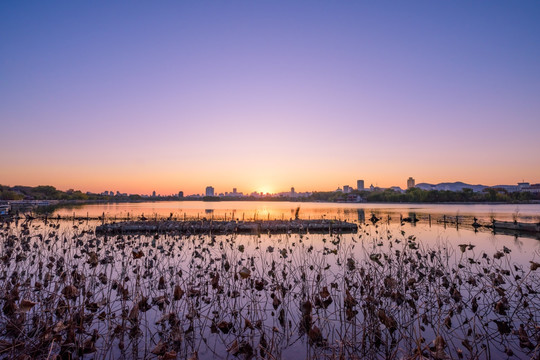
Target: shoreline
(62, 203)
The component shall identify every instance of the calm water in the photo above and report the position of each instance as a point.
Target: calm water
(285, 210)
(126, 285)
(434, 233)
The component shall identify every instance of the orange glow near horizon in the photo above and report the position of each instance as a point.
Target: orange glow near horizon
(138, 181)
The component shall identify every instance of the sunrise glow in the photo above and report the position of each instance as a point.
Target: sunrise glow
(178, 96)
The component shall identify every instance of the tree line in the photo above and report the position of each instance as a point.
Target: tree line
(45, 192)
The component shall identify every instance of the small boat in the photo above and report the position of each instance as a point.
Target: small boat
(4, 209)
(517, 226)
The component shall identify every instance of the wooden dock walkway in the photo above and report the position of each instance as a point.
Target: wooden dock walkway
(228, 227)
(516, 226)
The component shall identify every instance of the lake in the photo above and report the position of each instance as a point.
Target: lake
(392, 290)
(285, 210)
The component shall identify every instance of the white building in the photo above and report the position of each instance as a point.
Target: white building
(534, 188)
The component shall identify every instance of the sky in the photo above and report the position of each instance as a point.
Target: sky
(265, 95)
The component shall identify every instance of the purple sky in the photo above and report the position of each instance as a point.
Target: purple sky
(168, 96)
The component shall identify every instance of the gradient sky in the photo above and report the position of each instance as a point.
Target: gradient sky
(265, 95)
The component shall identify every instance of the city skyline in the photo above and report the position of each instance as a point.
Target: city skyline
(211, 191)
(142, 97)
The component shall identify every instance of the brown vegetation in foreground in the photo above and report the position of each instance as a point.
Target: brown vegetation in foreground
(67, 293)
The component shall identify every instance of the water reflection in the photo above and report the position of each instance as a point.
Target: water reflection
(250, 210)
(361, 216)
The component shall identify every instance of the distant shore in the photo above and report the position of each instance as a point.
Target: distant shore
(20, 196)
(52, 204)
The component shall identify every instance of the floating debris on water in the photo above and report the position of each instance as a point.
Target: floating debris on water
(229, 227)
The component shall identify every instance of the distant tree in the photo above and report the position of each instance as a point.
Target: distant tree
(10, 195)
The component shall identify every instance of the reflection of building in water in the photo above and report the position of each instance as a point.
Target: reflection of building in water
(410, 183)
(360, 185)
(208, 211)
(413, 218)
(361, 216)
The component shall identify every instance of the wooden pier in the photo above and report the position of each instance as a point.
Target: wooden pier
(516, 226)
(228, 227)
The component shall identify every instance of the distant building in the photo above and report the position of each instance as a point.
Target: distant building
(293, 192)
(410, 183)
(234, 191)
(209, 191)
(523, 185)
(354, 198)
(534, 188)
(346, 189)
(507, 188)
(154, 193)
(180, 194)
(360, 185)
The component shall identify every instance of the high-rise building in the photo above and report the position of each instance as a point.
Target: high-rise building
(410, 183)
(346, 189)
(522, 185)
(209, 191)
(234, 191)
(360, 185)
(154, 193)
(293, 193)
(180, 194)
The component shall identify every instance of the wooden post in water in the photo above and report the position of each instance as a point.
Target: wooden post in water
(429, 217)
(242, 216)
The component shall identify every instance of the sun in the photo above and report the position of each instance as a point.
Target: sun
(265, 190)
